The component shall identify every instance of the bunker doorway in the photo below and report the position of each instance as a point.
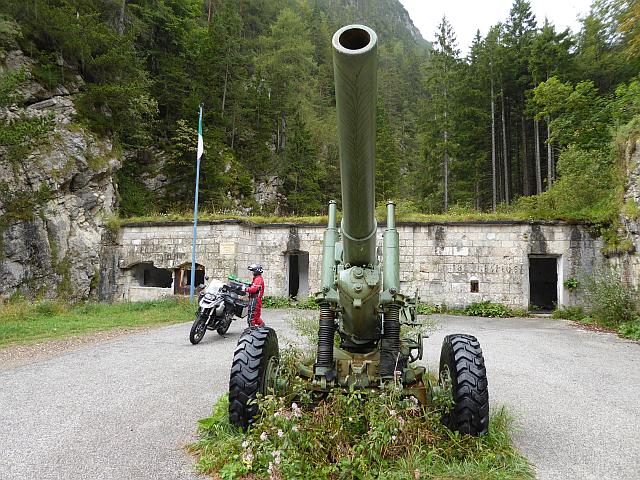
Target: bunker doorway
(298, 274)
(183, 278)
(543, 283)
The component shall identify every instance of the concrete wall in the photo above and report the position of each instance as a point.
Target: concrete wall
(439, 260)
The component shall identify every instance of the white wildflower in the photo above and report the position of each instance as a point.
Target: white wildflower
(394, 438)
(392, 413)
(280, 433)
(247, 456)
(245, 444)
(294, 428)
(263, 436)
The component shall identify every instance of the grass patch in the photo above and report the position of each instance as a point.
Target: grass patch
(25, 322)
(285, 302)
(363, 434)
(470, 216)
(477, 309)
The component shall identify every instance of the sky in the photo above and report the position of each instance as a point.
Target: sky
(467, 16)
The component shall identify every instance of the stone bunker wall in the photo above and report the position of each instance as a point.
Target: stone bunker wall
(454, 264)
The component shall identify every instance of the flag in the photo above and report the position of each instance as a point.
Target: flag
(195, 207)
(200, 141)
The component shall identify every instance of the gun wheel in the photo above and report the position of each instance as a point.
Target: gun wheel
(253, 371)
(463, 373)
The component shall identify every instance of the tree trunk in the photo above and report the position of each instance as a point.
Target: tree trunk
(536, 126)
(550, 167)
(446, 173)
(525, 160)
(233, 129)
(283, 126)
(224, 90)
(506, 154)
(493, 147)
(120, 24)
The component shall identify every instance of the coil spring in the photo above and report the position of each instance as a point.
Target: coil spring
(390, 343)
(325, 337)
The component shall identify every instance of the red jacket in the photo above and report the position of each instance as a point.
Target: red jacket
(256, 289)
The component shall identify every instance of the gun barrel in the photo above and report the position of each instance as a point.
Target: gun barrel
(355, 65)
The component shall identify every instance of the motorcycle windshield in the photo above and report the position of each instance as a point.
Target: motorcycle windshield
(214, 287)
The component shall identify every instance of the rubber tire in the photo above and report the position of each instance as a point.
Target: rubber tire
(224, 328)
(255, 347)
(469, 388)
(193, 335)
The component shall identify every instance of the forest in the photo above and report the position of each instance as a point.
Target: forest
(529, 123)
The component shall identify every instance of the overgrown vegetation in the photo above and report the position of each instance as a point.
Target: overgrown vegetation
(25, 321)
(285, 302)
(612, 304)
(362, 434)
(490, 309)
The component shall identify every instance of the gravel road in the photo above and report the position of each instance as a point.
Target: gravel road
(125, 407)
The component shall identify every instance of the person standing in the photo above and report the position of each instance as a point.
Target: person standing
(255, 291)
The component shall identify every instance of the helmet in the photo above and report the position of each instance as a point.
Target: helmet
(256, 268)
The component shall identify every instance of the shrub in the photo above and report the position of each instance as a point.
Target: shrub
(488, 309)
(576, 314)
(276, 302)
(630, 330)
(613, 303)
(427, 309)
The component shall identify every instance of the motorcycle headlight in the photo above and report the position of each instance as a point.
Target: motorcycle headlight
(209, 296)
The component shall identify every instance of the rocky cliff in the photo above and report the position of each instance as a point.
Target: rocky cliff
(628, 261)
(56, 192)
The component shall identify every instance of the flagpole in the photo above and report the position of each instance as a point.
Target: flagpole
(195, 207)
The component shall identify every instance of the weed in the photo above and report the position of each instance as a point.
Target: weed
(613, 303)
(576, 314)
(571, 284)
(630, 330)
(364, 434)
(488, 309)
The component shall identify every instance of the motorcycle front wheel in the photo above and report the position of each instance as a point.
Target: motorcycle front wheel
(198, 329)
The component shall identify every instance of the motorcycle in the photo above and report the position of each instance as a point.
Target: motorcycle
(218, 305)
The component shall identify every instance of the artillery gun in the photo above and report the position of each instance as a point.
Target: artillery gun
(358, 299)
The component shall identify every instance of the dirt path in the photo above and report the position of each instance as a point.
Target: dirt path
(126, 406)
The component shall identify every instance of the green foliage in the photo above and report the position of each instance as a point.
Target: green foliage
(23, 320)
(135, 198)
(571, 284)
(630, 330)
(428, 309)
(19, 136)
(612, 302)
(488, 309)
(264, 72)
(576, 314)
(285, 302)
(363, 434)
